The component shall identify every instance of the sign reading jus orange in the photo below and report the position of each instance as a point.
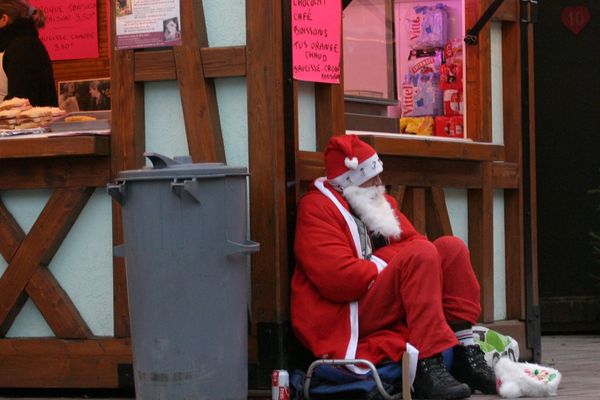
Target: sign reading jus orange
(575, 18)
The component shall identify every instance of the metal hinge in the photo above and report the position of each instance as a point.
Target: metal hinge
(529, 11)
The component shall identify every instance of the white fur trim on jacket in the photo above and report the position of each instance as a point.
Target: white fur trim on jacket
(353, 342)
(379, 262)
(381, 265)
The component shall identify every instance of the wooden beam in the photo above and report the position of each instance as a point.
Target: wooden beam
(127, 147)
(399, 193)
(52, 301)
(46, 173)
(224, 62)
(217, 62)
(438, 220)
(532, 172)
(128, 141)
(409, 171)
(56, 307)
(25, 147)
(412, 146)
(481, 239)
(198, 94)
(513, 199)
(508, 11)
(56, 363)
(414, 208)
(329, 112)
(41, 243)
(422, 172)
(506, 175)
(478, 71)
(154, 65)
(11, 237)
(11, 234)
(270, 279)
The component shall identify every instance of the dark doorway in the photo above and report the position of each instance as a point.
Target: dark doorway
(567, 101)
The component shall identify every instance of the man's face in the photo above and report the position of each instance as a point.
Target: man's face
(374, 181)
(171, 27)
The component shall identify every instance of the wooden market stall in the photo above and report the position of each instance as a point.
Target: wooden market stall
(71, 167)
(417, 171)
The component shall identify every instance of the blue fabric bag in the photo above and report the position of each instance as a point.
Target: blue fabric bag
(337, 382)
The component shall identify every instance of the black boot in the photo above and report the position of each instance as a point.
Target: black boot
(433, 381)
(469, 366)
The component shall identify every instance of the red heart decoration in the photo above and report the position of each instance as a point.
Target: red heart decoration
(575, 18)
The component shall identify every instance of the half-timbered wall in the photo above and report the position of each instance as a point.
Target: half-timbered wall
(85, 275)
(262, 116)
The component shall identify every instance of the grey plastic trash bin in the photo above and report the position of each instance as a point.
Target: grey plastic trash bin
(185, 229)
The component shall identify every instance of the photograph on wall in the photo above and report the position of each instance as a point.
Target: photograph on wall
(84, 95)
(123, 7)
(147, 23)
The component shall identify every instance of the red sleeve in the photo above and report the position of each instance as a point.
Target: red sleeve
(325, 251)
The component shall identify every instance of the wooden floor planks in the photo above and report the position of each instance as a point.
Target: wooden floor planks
(578, 359)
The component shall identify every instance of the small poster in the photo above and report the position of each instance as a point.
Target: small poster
(71, 30)
(84, 95)
(316, 40)
(147, 23)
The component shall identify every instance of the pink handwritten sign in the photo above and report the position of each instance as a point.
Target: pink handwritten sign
(316, 40)
(71, 30)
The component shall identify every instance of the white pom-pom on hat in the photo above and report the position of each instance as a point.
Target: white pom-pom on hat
(351, 163)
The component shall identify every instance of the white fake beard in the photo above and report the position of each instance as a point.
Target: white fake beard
(373, 209)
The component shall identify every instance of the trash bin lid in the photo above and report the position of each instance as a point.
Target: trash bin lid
(179, 167)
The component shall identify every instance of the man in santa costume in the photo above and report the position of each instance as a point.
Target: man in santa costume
(368, 285)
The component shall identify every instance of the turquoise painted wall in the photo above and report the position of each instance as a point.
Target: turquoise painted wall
(83, 265)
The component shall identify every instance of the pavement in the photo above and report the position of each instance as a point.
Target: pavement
(575, 356)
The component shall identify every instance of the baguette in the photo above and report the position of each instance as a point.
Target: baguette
(79, 118)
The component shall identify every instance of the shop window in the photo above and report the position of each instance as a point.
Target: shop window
(404, 62)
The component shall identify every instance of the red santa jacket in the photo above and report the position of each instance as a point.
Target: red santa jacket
(331, 276)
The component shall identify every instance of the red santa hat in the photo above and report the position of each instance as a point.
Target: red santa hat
(350, 162)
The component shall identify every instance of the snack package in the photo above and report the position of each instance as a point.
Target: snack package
(427, 26)
(451, 71)
(421, 96)
(453, 102)
(449, 126)
(422, 126)
(420, 91)
(453, 51)
(423, 61)
(451, 77)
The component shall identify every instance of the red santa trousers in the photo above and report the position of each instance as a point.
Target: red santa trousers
(424, 286)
